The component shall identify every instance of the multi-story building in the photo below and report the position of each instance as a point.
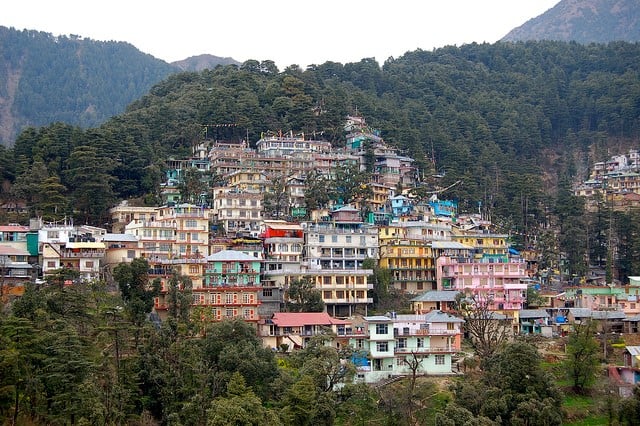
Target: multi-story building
(123, 214)
(406, 250)
(15, 271)
(427, 341)
(411, 264)
(79, 248)
(334, 260)
(238, 213)
(500, 286)
(435, 300)
(293, 330)
(395, 345)
(81, 254)
(231, 286)
(119, 248)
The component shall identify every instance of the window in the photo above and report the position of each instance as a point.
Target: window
(402, 343)
(229, 313)
(382, 346)
(439, 359)
(348, 239)
(420, 342)
(267, 292)
(450, 326)
(51, 264)
(52, 234)
(405, 330)
(247, 298)
(183, 236)
(89, 264)
(334, 238)
(194, 269)
(228, 298)
(359, 343)
(247, 313)
(321, 238)
(191, 223)
(131, 254)
(382, 328)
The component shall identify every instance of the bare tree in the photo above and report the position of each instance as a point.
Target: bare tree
(487, 330)
(413, 361)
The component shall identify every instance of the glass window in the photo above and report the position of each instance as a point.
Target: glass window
(439, 359)
(382, 346)
(382, 328)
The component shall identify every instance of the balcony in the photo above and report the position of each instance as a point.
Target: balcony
(429, 350)
(350, 301)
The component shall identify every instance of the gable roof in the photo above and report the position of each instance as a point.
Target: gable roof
(119, 237)
(299, 319)
(226, 255)
(437, 296)
(633, 350)
(533, 313)
(608, 315)
(439, 316)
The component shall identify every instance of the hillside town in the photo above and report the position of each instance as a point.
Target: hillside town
(250, 236)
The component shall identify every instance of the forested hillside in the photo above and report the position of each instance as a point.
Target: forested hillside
(583, 21)
(69, 79)
(511, 120)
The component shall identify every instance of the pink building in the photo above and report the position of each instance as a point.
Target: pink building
(500, 284)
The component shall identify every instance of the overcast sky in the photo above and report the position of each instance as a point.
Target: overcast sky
(285, 31)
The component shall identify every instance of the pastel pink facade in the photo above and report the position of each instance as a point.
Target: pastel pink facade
(500, 284)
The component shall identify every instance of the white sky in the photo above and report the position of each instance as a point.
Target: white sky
(285, 31)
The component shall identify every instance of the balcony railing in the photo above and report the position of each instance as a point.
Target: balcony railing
(408, 350)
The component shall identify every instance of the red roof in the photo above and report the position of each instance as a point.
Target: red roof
(299, 319)
(14, 228)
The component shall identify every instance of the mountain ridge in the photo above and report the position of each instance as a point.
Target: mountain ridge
(583, 21)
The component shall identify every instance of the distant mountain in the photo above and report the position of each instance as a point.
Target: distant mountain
(84, 82)
(583, 21)
(203, 62)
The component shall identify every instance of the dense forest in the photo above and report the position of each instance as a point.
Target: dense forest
(80, 355)
(84, 82)
(517, 123)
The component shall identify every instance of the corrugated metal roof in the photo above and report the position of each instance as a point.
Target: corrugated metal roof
(119, 237)
(14, 228)
(439, 316)
(533, 313)
(299, 319)
(449, 245)
(12, 251)
(227, 255)
(437, 296)
(377, 318)
(633, 350)
(608, 315)
(286, 226)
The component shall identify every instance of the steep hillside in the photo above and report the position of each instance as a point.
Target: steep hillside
(45, 79)
(203, 62)
(584, 21)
